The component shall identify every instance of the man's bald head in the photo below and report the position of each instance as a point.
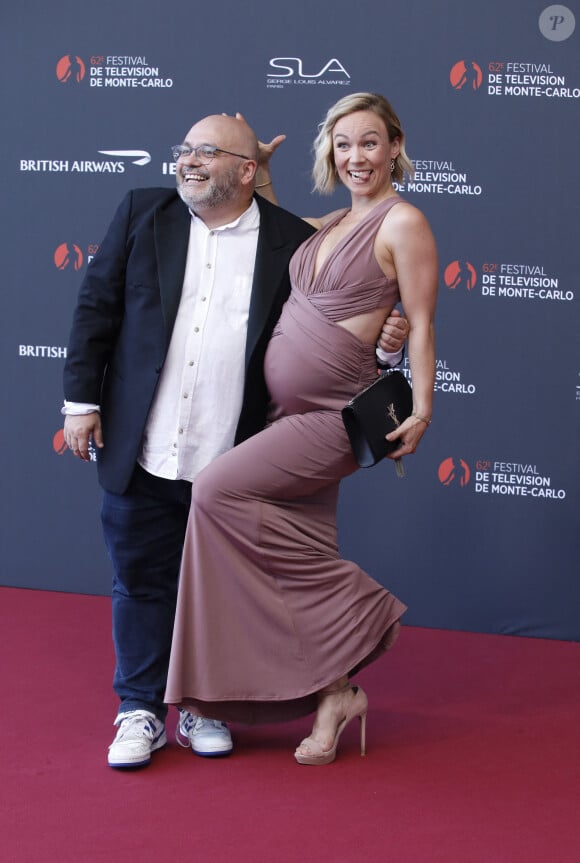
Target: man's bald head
(228, 133)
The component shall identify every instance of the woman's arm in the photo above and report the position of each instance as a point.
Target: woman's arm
(264, 185)
(414, 254)
(263, 178)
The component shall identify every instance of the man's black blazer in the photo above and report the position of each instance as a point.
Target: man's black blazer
(126, 311)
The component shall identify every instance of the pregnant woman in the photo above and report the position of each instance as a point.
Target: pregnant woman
(271, 623)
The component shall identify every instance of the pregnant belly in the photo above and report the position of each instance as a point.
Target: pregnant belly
(301, 376)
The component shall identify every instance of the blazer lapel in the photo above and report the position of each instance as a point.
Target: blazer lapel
(269, 271)
(171, 231)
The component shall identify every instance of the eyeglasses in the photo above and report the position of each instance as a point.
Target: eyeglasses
(205, 152)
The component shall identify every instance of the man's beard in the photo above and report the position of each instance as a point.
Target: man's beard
(212, 193)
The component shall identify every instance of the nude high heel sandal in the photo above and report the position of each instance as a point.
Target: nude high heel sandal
(358, 707)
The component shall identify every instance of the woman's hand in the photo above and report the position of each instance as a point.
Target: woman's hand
(266, 151)
(263, 179)
(409, 435)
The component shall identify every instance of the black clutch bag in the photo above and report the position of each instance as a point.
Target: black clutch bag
(373, 413)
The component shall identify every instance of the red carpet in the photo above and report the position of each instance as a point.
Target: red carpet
(473, 756)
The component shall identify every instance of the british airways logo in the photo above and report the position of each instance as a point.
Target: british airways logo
(89, 166)
(138, 157)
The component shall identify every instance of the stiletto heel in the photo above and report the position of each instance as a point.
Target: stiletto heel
(357, 708)
(363, 733)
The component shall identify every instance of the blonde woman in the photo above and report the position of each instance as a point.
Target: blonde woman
(271, 623)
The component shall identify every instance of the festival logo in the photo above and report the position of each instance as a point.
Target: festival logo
(522, 77)
(70, 68)
(502, 280)
(112, 72)
(454, 471)
(512, 479)
(68, 254)
(125, 72)
(536, 80)
(466, 75)
(513, 78)
(497, 477)
(438, 177)
(521, 281)
(294, 71)
(460, 274)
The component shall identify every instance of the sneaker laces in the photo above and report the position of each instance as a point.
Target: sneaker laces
(138, 722)
(190, 723)
(208, 723)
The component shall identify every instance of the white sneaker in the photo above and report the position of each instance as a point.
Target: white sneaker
(140, 733)
(207, 737)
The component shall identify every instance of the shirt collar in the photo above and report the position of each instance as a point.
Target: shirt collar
(249, 219)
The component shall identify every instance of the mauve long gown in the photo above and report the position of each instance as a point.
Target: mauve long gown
(268, 613)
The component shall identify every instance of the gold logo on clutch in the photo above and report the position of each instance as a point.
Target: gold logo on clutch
(393, 415)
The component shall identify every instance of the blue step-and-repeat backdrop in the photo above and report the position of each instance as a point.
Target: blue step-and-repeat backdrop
(483, 534)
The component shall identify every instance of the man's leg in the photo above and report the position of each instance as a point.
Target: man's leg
(144, 531)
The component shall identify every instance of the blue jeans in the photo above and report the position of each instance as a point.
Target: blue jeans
(144, 532)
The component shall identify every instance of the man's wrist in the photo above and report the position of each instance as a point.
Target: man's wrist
(78, 409)
(387, 359)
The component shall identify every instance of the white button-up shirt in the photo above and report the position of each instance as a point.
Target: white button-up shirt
(198, 399)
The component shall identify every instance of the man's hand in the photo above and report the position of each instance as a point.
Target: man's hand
(395, 331)
(78, 431)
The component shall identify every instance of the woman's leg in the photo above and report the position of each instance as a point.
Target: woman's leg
(337, 705)
(268, 613)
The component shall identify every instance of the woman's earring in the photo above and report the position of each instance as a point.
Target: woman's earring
(392, 165)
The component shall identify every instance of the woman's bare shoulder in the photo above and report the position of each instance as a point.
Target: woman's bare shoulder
(402, 221)
(406, 214)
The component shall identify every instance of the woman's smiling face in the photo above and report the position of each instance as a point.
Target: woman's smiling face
(362, 153)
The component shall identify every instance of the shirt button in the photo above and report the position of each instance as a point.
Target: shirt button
(180, 431)
(190, 363)
(185, 395)
(203, 299)
(196, 329)
(208, 265)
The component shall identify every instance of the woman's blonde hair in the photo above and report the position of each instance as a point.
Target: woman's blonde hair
(324, 170)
